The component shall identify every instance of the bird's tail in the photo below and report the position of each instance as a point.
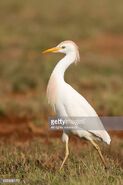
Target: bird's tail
(102, 134)
(106, 138)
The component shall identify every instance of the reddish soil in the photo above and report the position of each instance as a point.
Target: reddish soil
(111, 45)
(22, 130)
(19, 130)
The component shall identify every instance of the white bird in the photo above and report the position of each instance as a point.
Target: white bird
(67, 102)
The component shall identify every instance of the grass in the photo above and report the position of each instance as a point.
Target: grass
(27, 28)
(37, 163)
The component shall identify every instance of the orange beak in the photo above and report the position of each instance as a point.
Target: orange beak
(51, 50)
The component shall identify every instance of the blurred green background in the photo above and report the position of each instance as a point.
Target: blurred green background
(28, 27)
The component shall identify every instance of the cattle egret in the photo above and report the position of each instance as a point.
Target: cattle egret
(67, 102)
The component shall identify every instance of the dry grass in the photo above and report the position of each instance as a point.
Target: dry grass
(37, 163)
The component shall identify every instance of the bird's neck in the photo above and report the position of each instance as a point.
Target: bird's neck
(57, 77)
(63, 64)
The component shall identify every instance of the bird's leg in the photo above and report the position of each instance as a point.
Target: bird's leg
(66, 155)
(99, 151)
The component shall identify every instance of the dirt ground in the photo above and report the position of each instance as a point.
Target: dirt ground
(22, 130)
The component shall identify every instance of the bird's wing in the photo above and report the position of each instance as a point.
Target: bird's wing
(77, 106)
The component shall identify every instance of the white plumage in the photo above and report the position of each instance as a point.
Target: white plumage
(67, 102)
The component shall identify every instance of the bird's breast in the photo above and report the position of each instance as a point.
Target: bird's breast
(52, 90)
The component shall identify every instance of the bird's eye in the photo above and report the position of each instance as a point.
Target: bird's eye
(63, 47)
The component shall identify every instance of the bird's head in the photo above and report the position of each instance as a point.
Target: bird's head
(65, 47)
